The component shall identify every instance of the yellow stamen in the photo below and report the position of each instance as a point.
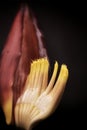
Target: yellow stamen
(40, 98)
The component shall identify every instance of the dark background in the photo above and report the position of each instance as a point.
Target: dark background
(64, 26)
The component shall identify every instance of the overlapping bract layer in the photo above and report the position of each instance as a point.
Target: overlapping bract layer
(24, 44)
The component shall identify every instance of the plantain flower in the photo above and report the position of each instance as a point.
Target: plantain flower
(26, 93)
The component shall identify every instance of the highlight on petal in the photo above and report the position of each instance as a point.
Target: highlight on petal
(40, 98)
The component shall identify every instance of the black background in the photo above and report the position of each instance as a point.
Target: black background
(64, 26)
